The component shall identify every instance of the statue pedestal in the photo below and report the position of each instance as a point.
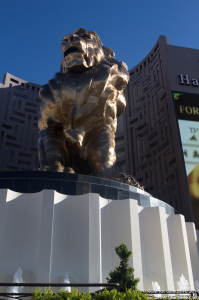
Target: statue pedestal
(53, 236)
(76, 184)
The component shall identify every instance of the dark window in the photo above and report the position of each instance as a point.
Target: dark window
(31, 104)
(30, 110)
(13, 80)
(119, 138)
(25, 155)
(10, 137)
(13, 145)
(7, 126)
(20, 95)
(17, 120)
(21, 162)
(19, 88)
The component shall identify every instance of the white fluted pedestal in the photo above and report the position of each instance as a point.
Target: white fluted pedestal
(52, 235)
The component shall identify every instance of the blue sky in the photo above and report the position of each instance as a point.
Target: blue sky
(31, 31)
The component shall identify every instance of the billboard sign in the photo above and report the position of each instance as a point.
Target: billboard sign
(187, 108)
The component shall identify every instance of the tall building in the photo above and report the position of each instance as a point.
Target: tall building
(158, 136)
(19, 109)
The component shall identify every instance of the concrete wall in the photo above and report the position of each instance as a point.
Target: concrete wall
(52, 236)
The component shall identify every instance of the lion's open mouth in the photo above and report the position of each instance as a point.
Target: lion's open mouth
(72, 49)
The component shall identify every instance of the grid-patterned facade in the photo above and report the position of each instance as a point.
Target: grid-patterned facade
(19, 109)
(150, 136)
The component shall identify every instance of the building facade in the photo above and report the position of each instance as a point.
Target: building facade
(156, 141)
(19, 109)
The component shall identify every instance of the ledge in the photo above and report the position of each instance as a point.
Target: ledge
(77, 184)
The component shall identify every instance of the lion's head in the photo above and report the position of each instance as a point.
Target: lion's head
(82, 50)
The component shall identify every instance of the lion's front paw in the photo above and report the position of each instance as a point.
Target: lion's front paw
(58, 168)
(69, 170)
(55, 168)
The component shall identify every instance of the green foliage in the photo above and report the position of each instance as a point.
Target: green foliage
(123, 274)
(75, 295)
(106, 295)
(114, 295)
(62, 295)
(47, 295)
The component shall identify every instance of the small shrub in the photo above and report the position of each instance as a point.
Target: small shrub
(46, 295)
(128, 295)
(62, 295)
(107, 295)
(123, 274)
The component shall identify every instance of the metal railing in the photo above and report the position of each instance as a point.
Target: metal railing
(22, 295)
(193, 294)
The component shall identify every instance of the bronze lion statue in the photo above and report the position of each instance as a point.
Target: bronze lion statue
(79, 108)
